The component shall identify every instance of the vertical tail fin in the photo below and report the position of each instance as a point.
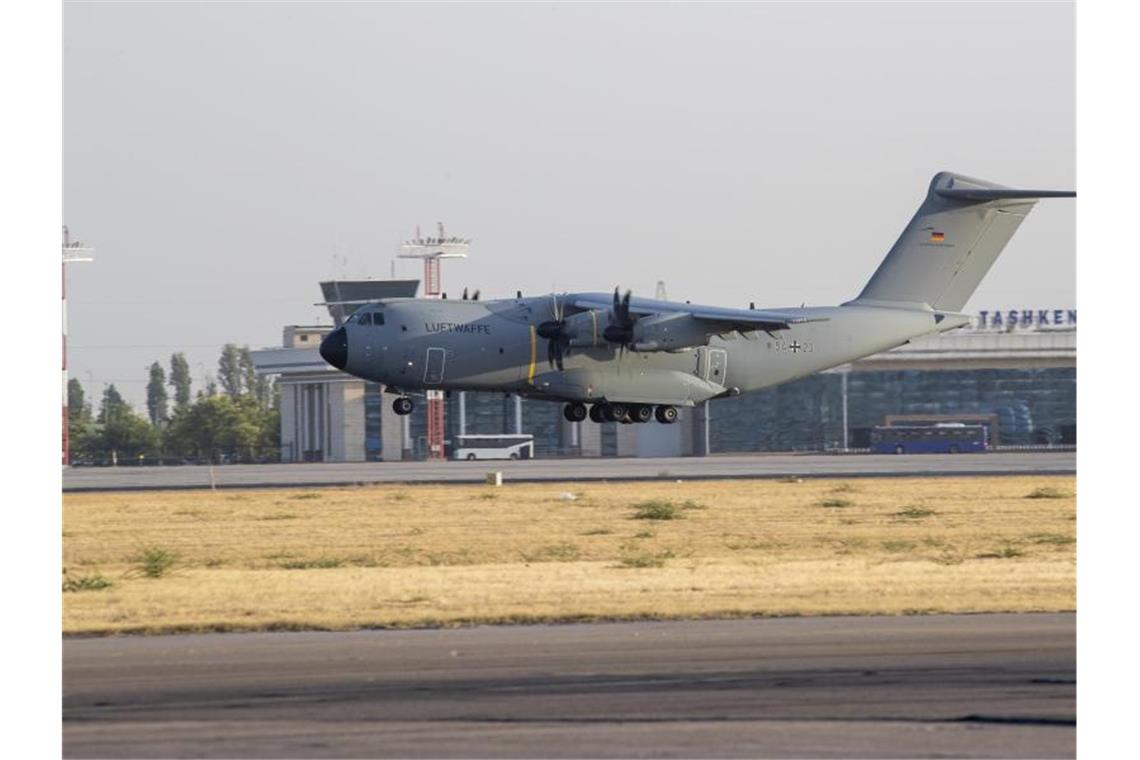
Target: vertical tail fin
(952, 241)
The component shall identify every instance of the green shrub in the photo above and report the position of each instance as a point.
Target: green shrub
(1005, 552)
(1056, 539)
(564, 552)
(915, 513)
(835, 503)
(85, 583)
(898, 546)
(656, 509)
(644, 560)
(328, 563)
(1046, 493)
(155, 561)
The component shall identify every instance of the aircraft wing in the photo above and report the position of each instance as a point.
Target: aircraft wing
(717, 318)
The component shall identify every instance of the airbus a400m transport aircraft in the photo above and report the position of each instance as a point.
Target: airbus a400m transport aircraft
(632, 359)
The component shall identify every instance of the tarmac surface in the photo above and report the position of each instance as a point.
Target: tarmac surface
(954, 685)
(577, 469)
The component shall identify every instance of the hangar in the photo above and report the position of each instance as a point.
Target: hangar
(1014, 366)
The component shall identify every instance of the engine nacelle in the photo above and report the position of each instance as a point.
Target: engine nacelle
(584, 329)
(668, 332)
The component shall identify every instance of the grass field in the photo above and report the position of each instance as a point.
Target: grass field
(389, 556)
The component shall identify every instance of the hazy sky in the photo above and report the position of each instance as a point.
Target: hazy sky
(223, 158)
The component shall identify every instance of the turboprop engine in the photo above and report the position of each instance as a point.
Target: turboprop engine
(668, 332)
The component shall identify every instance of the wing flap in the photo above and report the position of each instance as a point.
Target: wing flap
(721, 319)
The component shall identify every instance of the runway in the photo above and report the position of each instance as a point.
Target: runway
(965, 686)
(736, 466)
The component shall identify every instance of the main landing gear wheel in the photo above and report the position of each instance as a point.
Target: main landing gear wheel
(615, 412)
(597, 413)
(666, 415)
(403, 405)
(574, 412)
(641, 413)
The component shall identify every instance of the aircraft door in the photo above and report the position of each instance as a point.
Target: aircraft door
(433, 367)
(716, 365)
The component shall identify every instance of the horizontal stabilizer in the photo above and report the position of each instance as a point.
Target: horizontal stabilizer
(1000, 193)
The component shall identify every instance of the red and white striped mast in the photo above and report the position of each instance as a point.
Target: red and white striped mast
(73, 251)
(432, 250)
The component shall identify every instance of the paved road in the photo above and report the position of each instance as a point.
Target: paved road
(741, 466)
(963, 686)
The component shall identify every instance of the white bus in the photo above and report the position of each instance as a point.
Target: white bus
(493, 447)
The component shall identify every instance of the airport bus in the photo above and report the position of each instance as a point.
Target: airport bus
(503, 446)
(943, 438)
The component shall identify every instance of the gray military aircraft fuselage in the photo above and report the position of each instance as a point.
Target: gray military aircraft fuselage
(631, 359)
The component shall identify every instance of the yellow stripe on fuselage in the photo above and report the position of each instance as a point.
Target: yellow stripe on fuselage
(533, 355)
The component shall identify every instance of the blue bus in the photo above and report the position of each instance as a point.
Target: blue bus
(942, 438)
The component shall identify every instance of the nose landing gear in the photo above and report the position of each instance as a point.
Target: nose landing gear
(403, 405)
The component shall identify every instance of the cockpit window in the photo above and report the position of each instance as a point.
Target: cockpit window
(365, 319)
(377, 318)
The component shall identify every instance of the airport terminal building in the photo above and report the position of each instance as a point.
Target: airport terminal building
(1014, 368)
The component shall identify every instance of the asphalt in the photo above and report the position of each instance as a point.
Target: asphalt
(955, 685)
(737, 466)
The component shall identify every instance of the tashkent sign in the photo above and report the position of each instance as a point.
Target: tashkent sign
(1006, 319)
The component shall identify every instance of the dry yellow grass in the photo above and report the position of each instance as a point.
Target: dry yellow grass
(425, 555)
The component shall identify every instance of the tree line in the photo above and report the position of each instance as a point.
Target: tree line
(234, 418)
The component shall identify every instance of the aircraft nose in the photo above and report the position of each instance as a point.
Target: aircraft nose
(334, 348)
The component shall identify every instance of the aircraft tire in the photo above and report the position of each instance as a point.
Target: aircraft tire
(666, 414)
(574, 412)
(403, 405)
(641, 413)
(616, 412)
(597, 413)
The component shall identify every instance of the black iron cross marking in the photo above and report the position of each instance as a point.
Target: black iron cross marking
(795, 346)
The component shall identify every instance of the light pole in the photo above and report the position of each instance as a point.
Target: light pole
(73, 252)
(432, 250)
